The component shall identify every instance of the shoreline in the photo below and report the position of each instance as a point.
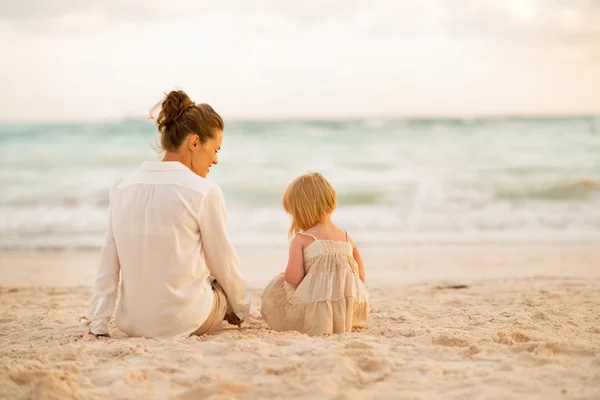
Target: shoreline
(385, 264)
(366, 239)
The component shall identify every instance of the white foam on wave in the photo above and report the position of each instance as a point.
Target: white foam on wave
(396, 180)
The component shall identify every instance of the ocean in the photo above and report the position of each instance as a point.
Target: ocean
(398, 180)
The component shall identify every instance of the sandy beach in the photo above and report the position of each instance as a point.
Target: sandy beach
(461, 321)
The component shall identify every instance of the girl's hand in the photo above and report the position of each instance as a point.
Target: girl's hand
(358, 258)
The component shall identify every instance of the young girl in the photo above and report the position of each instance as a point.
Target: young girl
(322, 290)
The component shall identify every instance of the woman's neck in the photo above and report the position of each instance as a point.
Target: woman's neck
(176, 157)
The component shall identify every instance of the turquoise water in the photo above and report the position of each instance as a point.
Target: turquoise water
(397, 180)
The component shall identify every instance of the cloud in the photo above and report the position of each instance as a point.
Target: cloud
(310, 57)
(18, 10)
(571, 19)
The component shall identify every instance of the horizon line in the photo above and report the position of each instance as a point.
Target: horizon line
(387, 117)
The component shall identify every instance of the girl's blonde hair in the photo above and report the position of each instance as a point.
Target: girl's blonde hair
(308, 199)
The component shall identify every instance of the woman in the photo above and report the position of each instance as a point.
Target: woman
(167, 237)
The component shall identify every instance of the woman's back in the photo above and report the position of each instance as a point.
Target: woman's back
(155, 215)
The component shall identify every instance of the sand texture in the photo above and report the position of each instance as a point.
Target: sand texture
(515, 336)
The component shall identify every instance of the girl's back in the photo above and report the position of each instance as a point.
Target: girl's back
(326, 251)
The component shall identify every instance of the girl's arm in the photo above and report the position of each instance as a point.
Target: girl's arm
(294, 273)
(359, 260)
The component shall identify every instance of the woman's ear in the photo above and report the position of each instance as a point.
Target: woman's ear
(194, 142)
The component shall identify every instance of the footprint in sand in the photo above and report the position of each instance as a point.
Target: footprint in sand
(448, 341)
(511, 337)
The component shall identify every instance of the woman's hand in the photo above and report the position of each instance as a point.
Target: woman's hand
(233, 319)
(99, 335)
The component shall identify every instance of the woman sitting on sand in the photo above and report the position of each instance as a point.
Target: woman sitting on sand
(167, 237)
(322, 290)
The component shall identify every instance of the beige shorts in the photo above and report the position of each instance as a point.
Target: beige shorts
(217, 314)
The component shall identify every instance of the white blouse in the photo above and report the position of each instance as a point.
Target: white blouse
(166, 238)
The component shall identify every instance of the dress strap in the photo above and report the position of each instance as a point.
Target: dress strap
(347, 236)
(308, 234)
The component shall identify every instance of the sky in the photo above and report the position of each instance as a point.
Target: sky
(82, 60)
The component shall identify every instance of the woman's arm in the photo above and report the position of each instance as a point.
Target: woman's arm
(294, 273)
(221, 258)
(359, 260)
(107, 281)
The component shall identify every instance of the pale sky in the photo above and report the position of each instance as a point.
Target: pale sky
(84, 60)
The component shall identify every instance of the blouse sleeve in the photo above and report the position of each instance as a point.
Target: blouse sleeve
(221, 258)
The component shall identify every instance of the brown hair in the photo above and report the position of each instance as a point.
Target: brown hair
(179, 117)
(308, 199)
